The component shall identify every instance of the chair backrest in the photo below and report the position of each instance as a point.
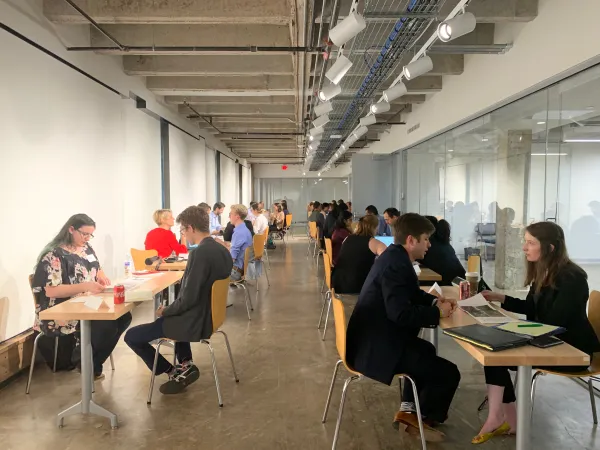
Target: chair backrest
(313, 230)
(218, 301)
(329, 249)
(594, 311)
(473, 263)
(246, 260)
(327, 268)
(258, 242)
(139, 257)
(339, 317)
(288, 220)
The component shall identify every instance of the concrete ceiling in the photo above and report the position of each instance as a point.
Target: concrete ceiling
(233, 67)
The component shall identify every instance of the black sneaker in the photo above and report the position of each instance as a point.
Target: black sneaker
(183, 377)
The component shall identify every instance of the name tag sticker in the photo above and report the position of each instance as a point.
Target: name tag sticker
(91, 258)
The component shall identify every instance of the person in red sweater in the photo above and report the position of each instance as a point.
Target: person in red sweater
(162, 239)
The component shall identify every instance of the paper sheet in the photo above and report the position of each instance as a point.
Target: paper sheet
(479, 308)
(93, 302)
(435, 288)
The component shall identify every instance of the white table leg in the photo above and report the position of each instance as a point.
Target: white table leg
(86, 405)
(523, 407)
(171, 294)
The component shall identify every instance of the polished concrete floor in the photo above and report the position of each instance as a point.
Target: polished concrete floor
(284, 371)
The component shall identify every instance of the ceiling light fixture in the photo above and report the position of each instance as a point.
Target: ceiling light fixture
(368, 120)
(321, 121)
(340, 67)
(457, 26)
(336, 136)
(582, 140)
(361, 131)
(323, 108)
(353, 24)
(316, 131)
(394, 92)
(450, 150)
(381, 107)
(330, 91)
(418, 68)
(541, 123)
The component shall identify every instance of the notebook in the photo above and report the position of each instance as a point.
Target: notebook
(489, 338)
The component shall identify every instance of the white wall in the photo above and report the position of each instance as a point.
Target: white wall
(246, 185)
(371, 182)
(211, 179)
(67, 145)
(539, 55)
(229, 184)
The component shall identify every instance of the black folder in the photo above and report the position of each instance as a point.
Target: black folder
(489, 338)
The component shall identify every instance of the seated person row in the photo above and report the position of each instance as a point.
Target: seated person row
(162, 239)
(331, 219)
(441, 256)
(356, 257)
(68, 267)
(241, 239)
(382, 339)
(189, 317)
(383, 228)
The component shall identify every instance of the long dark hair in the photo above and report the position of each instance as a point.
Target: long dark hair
(553, 258)
(341, 222)
(64, 237)
(442, 231)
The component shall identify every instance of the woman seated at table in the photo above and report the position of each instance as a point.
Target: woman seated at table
(67, 268)
(356, 257)
(342, 230)
(277, 219)
(558, 295)
(162, 239)
(441, 256)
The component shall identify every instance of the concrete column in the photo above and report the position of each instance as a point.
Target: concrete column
(514, 155)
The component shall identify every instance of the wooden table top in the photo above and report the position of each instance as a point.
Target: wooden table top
(560, 355)
(70, 310)
(178, 265)
(429, 275)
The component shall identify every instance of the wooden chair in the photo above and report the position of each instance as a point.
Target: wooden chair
(287, 227)
(266, 234)
(329, 251)
(258, 243)
(592, 373)
(474, 263)
(35, 346)
(219, 293)
(139, 257)
(313, 237)
(242, 283)
(327, 300)
(340, 340)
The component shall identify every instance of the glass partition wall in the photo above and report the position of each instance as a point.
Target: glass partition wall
(535, 159)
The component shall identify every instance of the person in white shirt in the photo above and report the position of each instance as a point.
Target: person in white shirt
(251, 216)
(260, 221)
(215, 223)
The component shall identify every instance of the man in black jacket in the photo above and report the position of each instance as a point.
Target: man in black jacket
(382, 338)
(189, 318)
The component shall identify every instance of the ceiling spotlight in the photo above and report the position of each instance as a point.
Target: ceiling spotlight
(360, 132)
(323, 108)
(328, 92)
(303, 173)
(321, 121)
(541, 123)
(319, 174)
(316, 131)
(343, 148)
(418, 68)
(336, 136)
(394, 92)
(339, 68)
(368, 120)
(381, 107)
(353, 24)
(456, 27)
(313, 146)
(450, 150)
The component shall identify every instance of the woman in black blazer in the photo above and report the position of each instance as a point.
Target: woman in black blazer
(441, 256)
(558, 295)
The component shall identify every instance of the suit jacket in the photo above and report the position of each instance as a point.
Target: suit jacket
(189, 318)
(228, 231)
(441, 258)
(389, 314)
(563, 306)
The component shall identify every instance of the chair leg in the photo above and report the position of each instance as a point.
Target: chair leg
(326, 318)
(341, 410)
(112, 362)
(592, 400)
(214, 364)
(418, 408)
(32, 363)
(268, 282)
(322, 285)
(323, 309)
(335, 371)
(533, 386)
(153, 374)
(483, 404)
(235, 375)
(55, 353)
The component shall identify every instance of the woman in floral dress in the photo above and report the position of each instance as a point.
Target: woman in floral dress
(66, 268)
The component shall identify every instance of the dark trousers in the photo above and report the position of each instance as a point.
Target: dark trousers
(436, 379)
(105, 336)
(139, 338)
(500, 376)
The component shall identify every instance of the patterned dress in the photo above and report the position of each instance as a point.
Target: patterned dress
(61, 267)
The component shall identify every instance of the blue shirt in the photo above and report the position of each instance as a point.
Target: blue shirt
(383, 229)
(240, 241)
(215, 225)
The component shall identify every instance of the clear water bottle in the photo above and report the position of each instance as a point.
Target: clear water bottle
(127, 268)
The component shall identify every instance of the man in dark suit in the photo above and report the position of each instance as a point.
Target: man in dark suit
(189, 317)
(382, 338)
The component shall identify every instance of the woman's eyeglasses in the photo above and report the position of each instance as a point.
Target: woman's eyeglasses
(85, 235)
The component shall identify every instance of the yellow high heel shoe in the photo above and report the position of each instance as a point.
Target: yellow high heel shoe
(481, 438)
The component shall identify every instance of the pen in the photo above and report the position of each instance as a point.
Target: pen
(529, 325)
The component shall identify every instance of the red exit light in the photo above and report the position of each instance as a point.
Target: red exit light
(284, 167)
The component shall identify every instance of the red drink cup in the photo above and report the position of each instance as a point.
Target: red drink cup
(119, 291)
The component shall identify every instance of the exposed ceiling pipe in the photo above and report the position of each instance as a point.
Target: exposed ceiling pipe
(203, 49)
(96, 25)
